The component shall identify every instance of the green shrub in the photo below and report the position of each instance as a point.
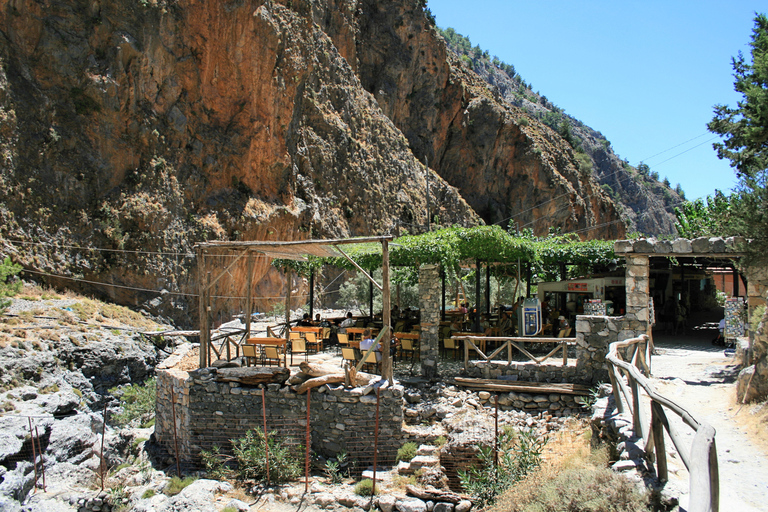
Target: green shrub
(440, 441)
(215, 463)
(365, 487)
(137, 402)
(176, 485)
(250, 453)
(148, 494)
(336, 470)
(406, 452)
(9, 286)
(518, 455)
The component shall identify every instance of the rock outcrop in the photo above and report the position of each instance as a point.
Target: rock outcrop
(132, 130)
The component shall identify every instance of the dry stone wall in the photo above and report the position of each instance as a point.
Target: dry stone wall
(210, 413)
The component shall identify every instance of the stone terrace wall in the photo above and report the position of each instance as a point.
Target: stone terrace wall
(210, 413)
(593, 335)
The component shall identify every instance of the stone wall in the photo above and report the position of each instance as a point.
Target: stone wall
(429, 307)
(210, 413)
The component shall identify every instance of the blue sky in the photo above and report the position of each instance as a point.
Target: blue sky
(646, 74)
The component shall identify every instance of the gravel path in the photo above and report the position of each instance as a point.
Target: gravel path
(701, 378)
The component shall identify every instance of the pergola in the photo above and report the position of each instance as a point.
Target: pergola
(294, 250)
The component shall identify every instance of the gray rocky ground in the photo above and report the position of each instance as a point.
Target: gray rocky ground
(79, 365)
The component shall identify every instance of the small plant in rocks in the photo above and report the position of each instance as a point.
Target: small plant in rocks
(336, 470)
(251, 456)
(406, 452)
(176, 485)
(365, 487)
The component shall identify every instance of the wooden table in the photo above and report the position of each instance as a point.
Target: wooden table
(272, 342)
(356, 333)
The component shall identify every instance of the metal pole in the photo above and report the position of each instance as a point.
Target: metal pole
(496, 436)
(376, 443)
(487, 288)
(266, 440)
(308, 441)
(249, 298)
(175, 436)
(386, 358)
(103, 429)
(34, 454)
(426, 165)
(442, 280)
(40, 451)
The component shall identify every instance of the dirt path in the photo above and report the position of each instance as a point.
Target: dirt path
(701, 378)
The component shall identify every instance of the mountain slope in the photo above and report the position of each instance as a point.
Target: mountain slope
(132, 130)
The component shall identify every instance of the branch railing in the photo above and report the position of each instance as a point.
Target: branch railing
(507, 343)
(700, 460)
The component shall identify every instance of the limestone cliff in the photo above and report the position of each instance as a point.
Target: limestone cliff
(132, 129)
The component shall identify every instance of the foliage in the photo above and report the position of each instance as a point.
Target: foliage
(215, 463)
(705, 217)
(745, 131)
(175, 485)
(148, 494)
(251, 457)
(365, 487)
(137, 402)
(336, 470)
(406, 452)
(9, 285)
(518, 455)
(118, 497)
(745, 128)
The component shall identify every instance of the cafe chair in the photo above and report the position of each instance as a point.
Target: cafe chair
(371, 361)
(348, 354)
(272, 354)
(250, 353)
(298, 347)
(313, 344)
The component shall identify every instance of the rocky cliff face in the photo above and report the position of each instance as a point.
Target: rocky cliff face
(144, 127)
(646, 204)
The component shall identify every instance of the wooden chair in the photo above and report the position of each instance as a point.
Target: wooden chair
(298, 347)
(564, 332)
(272, 354)
(371, 360)
(452, 345)
(293, 335)
(250, 353)
(313, 344)
(407, 347)
(343, 339)
(348, 354)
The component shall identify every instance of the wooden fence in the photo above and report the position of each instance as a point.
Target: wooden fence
(507, 343)
(700, 460)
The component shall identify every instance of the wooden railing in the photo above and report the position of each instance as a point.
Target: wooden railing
(471, 342)
(700, 460)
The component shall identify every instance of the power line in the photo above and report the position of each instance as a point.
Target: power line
(675, 146)
(99, 249)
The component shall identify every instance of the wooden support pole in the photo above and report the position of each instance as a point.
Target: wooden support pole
(442, 280)
(201, 304)
(386, 359)
(249, 296)
(312, 295)
(657, 433)
(487, 288)
(477, 296)
(288, 279)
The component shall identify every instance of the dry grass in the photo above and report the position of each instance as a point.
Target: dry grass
(573, 478)
(753, 418)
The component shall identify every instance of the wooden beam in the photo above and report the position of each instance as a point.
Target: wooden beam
(525, 387)
(358, 267)
(229, 267)
(386, 303)
(249, 296)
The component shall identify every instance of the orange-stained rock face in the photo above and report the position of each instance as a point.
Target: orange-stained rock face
(146, 127)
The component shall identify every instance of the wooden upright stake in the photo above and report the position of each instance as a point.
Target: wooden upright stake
(386, 359)
(201, 304)
(249, 297)
(289, 279)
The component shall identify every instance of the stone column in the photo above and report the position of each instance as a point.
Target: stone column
(638, 289)
(429, 305)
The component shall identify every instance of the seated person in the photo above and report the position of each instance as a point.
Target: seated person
(506, 328)
(367, 342)
(348, 322)
(305, 321)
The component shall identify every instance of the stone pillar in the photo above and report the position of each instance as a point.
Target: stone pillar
(757, 288)
(638, 289)
(429, 305)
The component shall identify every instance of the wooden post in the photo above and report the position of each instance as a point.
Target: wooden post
(703, 472)
(312, 295)
(477, 296)
(202, 327)
(386, 359)
(487, 288)
(289, 279)
(657, 432)
(370, 299)
(249, 297)
(207, 318)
